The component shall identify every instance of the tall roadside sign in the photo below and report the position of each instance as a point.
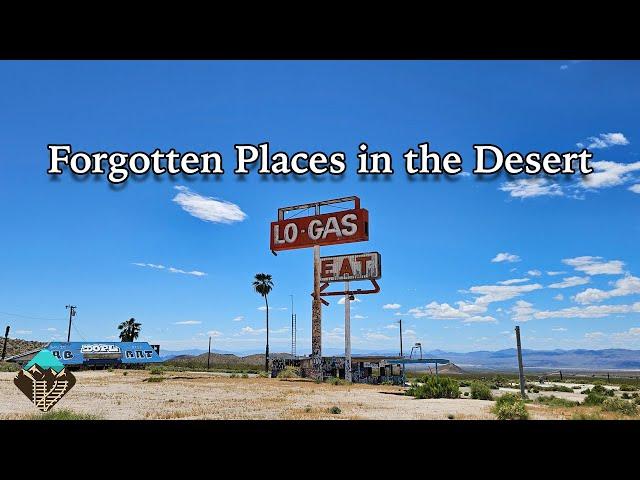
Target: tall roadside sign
(313, 231)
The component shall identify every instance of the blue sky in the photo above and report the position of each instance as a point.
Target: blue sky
(464, 259)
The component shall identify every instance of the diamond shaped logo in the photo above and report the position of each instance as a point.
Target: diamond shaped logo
(44, 380)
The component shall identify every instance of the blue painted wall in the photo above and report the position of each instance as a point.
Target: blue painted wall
(104, 353)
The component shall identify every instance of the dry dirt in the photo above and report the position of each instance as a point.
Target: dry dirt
(113, 395)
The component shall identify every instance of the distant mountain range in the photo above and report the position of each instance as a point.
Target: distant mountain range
(503, 360)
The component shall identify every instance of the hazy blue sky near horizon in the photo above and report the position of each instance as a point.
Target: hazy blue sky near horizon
(464, 259)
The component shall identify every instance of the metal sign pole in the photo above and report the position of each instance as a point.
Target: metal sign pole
(347, 334)
(520, 367)
(316, 318)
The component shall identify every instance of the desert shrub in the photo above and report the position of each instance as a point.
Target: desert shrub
(289, 372)
(233, 375)
(562, 388)
(586, 416)
(499, 381)
(480, 391)
(124, 374)
(63, 414)
(555, 401)
(576, 387)
(8, 367)
(245, 375)
(263, 375)
(510, 407)
(626, 396)
(464, 383)
(435, 387)
(620, 406)
(600, 389)
(466, 394)
(334, 410)
(335, 381)
(627, 388)
(156, 371)
(594, 398)
(154, 379)
(451, 416)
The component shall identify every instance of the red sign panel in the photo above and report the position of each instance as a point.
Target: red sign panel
(326, 229)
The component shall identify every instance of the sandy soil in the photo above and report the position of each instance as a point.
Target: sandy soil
(112, 395)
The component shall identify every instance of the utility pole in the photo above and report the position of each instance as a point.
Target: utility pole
(520, 367)
(72, 313)
(347, 333)
(400, 322)
(4, 347)
(209, 355)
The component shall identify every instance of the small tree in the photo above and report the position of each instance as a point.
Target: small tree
(129, 330)
(263, 284)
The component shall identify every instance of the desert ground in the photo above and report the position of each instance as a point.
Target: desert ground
(128, 394)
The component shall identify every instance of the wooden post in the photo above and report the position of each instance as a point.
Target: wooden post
(316, 318)
(6, 338)
(520, 367)
(209, 355)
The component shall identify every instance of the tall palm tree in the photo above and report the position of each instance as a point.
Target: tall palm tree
(263, 285)
(129, 330)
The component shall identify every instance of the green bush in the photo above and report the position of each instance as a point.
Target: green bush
(627, 388)
(233, 375)
(620, 406)
(626, 396)
(289, 372)
(154, 379)
(63, 414)
(510, 407)
(124, 374)
(334, 410)
(156, 371)
(245, 375)
(435, 387)
(480, 391)
(594, 398)
(555, 401)
(586, 416)
(335, 381)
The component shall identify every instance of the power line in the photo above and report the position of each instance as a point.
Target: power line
(31, 317)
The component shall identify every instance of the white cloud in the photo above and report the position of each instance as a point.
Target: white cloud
(188, 322)
(628, 285)
(24, 332)
(376, 336)
(558, 329)
(635, 188)
(214, 333)
(505, 257)
(252, 331)
(592, 311)
(439, 311)
(195, 273)
(239, 318)
(51, 329)
(359, 317)
(532, 187)
(605, 140)
(534, 273)
(555, 273)
(609, 174)
(392, 326)
(595, 265)
(522, 311)
(355, 300)
(263, 308)
(594, 335)
(514, 281)
(570, 282)
(208, 209)
(559, 297)
(391, 306)
(480, 319)
(500, 293)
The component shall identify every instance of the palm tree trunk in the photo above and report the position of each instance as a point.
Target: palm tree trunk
(266, 355)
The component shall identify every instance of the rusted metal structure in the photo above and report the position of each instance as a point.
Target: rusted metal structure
(314, 230)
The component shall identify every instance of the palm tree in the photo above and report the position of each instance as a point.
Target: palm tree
(129, 330)
(263, 285)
